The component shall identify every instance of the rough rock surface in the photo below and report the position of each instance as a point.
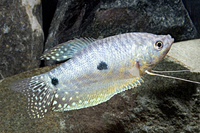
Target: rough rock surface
(21, 36)
(97, 18)
(193, 8)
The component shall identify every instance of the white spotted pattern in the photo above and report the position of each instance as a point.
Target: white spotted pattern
(56, 95)
(54, 102)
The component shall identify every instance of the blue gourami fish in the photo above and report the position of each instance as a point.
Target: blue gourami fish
(95, 72)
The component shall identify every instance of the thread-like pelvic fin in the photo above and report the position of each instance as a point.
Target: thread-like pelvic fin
(150, 73)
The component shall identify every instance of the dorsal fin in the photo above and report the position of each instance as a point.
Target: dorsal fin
(66, 50)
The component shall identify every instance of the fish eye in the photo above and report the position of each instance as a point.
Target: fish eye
(158, 45)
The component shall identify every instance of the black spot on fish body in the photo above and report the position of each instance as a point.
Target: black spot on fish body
(102, 66)
(54, 81)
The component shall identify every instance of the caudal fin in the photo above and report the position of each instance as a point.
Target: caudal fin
(39, 95)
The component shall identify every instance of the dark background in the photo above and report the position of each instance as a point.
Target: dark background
(193, 7)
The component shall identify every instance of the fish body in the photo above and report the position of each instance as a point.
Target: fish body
(96, 71)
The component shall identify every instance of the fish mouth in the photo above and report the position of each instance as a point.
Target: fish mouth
(171, 40)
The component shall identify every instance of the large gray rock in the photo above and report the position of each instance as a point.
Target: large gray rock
(21, 36)
(105, 18)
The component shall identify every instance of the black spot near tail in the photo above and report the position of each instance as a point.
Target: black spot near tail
(54, 81)
(102, 66)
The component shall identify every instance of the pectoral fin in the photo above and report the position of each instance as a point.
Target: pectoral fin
(135, 71)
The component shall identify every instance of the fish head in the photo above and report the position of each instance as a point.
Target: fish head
(152, 50)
